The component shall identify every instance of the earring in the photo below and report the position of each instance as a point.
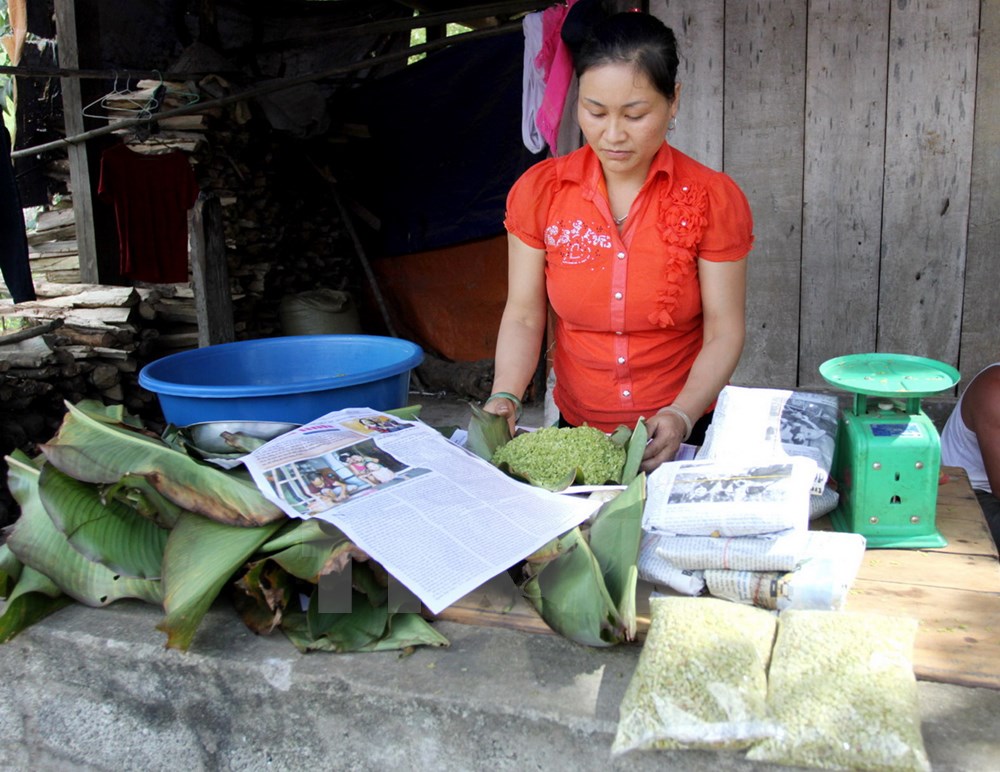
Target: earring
(672, 125)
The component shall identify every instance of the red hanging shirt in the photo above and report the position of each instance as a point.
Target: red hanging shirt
(151, 195)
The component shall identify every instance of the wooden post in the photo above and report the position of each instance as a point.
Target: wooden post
(209, 273)
(79, 168)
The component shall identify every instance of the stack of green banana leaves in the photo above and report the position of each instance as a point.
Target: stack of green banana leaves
(110, 510)
(583, 584)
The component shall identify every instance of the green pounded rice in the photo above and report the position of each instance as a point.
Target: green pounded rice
(842, 688)
(547, 456)
(701, 679)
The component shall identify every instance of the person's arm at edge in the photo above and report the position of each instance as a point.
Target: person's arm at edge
(522, 326)
(981, 414)
(723, 298)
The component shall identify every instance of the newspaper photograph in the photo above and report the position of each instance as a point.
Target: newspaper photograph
(768, 423)
(731, 498)
(437, 517)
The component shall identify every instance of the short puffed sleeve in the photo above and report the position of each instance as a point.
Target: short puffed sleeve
(528, 203)
(729, 233)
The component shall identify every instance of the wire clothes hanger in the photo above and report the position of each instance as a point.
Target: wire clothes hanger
(144, 102)
(140, 104)
(125, 102)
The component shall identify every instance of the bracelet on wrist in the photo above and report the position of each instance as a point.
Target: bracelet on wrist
(513, 399)
(688, 425)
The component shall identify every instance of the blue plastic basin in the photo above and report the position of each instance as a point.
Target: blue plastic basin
(294, 379)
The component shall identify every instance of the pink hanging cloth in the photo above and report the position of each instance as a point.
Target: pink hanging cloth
(556, 64)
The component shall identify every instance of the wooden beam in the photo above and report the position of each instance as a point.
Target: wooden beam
(272, 86)
(79, 168)
(124, 74)
(210, 274)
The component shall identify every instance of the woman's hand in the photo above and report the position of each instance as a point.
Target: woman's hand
(503, 406)
(666, 433)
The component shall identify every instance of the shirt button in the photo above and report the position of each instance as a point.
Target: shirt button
(626, 393)
(618, 332)
(618, 296)
(621, 360)
(621, 255)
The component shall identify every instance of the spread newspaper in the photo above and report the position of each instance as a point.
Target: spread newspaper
(437, 517)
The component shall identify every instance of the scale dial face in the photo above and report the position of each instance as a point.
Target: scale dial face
(889, 375)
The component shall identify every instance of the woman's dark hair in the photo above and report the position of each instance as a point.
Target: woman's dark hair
(634, 38)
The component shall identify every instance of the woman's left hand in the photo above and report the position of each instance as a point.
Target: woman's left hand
(666, 433)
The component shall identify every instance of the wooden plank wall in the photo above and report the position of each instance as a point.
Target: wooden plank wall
(866, 136)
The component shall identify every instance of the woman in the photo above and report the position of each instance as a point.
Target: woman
(639, 249)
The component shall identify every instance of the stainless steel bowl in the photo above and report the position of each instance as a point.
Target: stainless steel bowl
(208, 436)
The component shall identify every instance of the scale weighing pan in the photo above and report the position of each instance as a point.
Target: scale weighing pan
(889, 375)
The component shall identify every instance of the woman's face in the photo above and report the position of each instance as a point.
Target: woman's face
(623, 117)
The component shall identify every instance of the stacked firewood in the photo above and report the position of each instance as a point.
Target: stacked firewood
(77, 341)
(53, 253)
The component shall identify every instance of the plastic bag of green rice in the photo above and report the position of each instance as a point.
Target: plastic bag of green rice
(700, 681)
(842, 688)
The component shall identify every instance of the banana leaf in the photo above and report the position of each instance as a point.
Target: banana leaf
(37, 543)
(572, 476)
(569, 594)
(110, 533)
(407, 413)
(312, 559)
(263, 594)
(406, 631)
(373, 584)
(371, 625)
(584, 586)
(200, 557)
(635, 445)
(34, 598)
(91, 450)
(487, 432)
(10, 570)
(614, 538)
(299, 531)
(112, 414)
(144, 499)
(364, 625)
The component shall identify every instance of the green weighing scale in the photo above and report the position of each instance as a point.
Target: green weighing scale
(888, 454)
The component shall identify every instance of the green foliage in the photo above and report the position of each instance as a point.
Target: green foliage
(6, 81)
(105, 515)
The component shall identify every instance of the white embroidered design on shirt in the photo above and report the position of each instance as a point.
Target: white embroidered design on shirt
(577, 242)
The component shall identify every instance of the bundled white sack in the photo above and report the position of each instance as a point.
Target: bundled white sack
(729, 498)
(822, 579)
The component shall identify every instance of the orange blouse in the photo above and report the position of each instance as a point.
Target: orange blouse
(628, 306)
